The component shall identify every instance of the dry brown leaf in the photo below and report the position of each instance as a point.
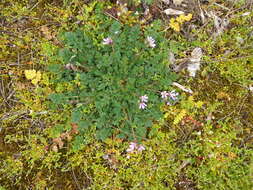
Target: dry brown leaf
(54, 148)
(58, 141)
(69, 137)
(29, 63)
(63, 135)
(20, 86)
(70, 66)
(46, 32)
(74, 128)
(66, 136)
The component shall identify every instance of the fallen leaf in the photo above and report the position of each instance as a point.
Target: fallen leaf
(196, 55)
(66, 136)
(29, 63)
(219, 24)
(166, 1)
(172, 59)
(170, 11)
(54, 148)
(20, 85)
(58, 141)
(178, 2)
(46, 32)
(74, 128)
(202, 16)
(194, 64)
(70, 66)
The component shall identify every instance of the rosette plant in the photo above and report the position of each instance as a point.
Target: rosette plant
(111, 70)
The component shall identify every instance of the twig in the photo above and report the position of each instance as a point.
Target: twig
(74, 176)
(221, 6)
(35, 5)
(182, 87)
(112, 16)
(8, 32)
(243, 102)
(10, 95)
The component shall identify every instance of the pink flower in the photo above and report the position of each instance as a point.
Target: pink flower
(169, 104)
(142, 105)
(173, 95)
(141, 148)
(143, 101)
(134, 146)
(144, 98)
(164, 94)
(107, 41)
(151, 41)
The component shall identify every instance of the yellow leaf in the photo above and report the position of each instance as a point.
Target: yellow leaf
(182, 18)
(188, 17)
(34, 76)
(179, 117)
(199, 104)
(166, 115)
(35, 81)
(30, 74)
(174, 25)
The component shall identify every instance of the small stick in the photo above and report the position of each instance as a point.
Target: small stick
(74, 176)
(112, 16)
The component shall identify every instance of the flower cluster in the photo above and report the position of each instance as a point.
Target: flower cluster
(134, 146)
(143, 102)
(169, 97)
